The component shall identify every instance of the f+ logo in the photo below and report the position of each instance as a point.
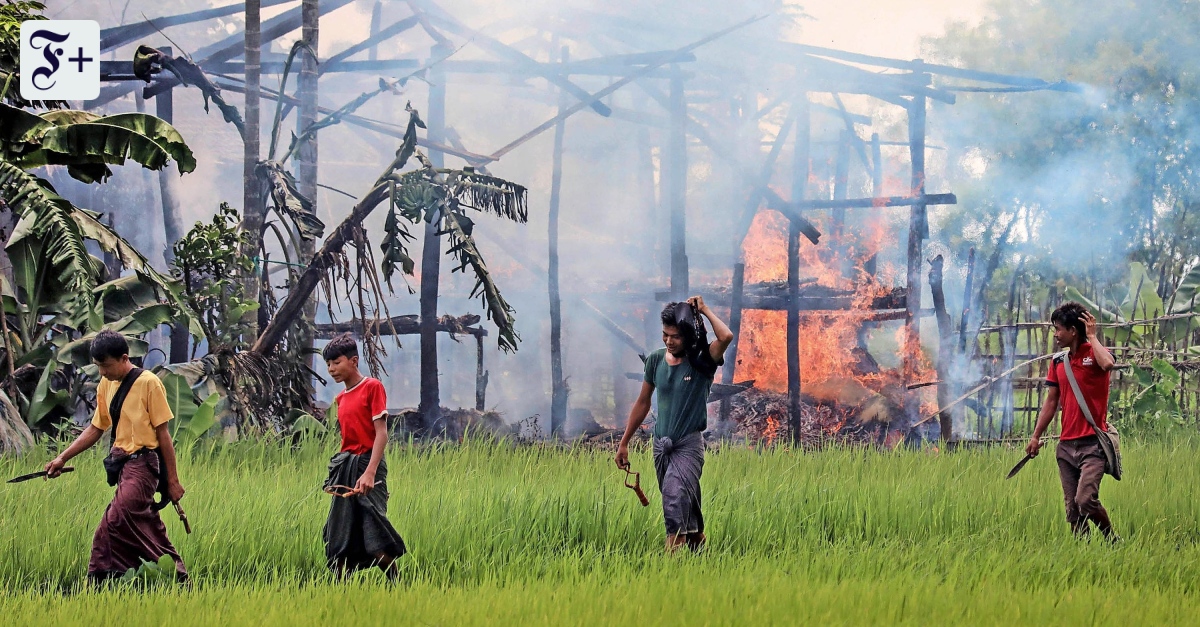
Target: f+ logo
(59, 60)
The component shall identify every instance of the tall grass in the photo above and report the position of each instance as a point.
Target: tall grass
(496, 530)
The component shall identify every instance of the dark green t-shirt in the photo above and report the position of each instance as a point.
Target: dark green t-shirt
(682, 393)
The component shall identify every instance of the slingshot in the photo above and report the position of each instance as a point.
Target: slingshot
(344, 491)
(636, 486)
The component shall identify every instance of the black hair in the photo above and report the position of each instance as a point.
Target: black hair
(108, 344)
(684, 317)
(340, 346)
(1070, 315)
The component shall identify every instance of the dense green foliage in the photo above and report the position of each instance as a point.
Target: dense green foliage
(545, 536)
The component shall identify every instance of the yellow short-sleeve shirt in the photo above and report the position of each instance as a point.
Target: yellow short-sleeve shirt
(145, 408)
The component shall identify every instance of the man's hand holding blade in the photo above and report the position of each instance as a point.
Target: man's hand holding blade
(54, 467)
(1035, 445)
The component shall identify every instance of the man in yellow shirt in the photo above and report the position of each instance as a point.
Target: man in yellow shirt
(131, 530)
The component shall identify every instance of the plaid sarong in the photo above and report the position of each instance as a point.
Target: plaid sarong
(678, 466)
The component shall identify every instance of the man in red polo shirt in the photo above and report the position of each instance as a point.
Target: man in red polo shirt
(1081, 461)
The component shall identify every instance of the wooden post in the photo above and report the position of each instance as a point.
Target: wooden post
(306, 160)
(676, 185)
(481, 375)
(841, 181)
(735, 325)
(876, 189)
(431, 254)
(164, 108)
(945, 347)
(376, 18)
(917, 231)
(559, 391)
(800, 173)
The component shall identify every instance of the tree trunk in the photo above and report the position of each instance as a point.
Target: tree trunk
(253, 203)
(559, 391)
(431, 256)
(292, 305)
(306, 160)
(173, 228)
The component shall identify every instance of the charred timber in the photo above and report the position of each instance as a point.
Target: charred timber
(877, 203)
(774, 296)
(404, 325)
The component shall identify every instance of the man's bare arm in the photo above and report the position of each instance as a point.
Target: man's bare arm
(367, 481)
(637, 415)
(167, 447)
(86, 440)
(716, 349)
(1045, 415)
(1104, 357)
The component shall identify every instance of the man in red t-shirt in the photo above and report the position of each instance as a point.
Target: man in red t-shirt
(357, 532)
(1081, 461)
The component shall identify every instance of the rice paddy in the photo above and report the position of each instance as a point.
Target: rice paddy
(540, 535)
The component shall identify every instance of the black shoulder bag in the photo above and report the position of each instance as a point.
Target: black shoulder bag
(113, 465)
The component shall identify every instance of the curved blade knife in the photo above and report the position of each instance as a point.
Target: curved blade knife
(1021, 464)
(35, 475)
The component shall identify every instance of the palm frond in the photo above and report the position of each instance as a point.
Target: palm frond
(47, 217)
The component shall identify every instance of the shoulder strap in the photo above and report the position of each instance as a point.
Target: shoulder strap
(1083, 406)
(118, 399)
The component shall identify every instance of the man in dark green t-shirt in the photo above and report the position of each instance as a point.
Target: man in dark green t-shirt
(682, 374)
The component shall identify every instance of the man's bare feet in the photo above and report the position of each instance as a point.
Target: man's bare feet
(675, 541)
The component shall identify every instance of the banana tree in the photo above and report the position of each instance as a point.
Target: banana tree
(57, 297)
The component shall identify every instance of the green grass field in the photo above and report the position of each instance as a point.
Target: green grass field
(530, 535)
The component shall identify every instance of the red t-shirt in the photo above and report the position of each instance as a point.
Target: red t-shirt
(1093, 382)
(357, 408)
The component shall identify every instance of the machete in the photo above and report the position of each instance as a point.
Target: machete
(35, 475)
(1021, 464)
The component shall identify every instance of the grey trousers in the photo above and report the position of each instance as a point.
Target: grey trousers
(678, 466)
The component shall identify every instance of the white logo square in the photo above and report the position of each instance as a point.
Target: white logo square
(60, 60)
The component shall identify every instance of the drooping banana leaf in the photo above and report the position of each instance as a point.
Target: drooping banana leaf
(168, 288)
(44, 398)
(288, 201)
(147, 61)
(114, 139)
(491, 195)
(462, 245)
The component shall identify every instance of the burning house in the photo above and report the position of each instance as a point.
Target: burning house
(820, 265)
